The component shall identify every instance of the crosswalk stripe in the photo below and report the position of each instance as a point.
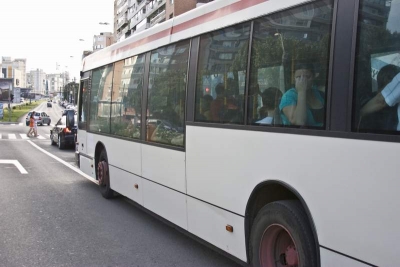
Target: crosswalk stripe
(48, 135)
(24, 136)
(12, 136)
(40, 137)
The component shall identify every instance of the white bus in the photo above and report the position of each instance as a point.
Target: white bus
(262, 127)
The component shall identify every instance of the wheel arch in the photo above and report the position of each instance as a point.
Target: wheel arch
(270, 191)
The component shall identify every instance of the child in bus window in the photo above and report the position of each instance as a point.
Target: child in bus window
(270, 100)
(304, 104)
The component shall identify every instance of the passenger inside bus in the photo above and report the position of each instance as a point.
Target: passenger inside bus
(269, 112)
(304, 104)
(379, 111)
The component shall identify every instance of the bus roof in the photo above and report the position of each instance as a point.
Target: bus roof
(206, 18)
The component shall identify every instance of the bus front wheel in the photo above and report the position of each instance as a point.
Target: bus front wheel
(281, 236)
(103, 176)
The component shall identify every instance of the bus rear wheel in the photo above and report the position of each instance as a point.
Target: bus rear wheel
(103, 176)
(281, 236)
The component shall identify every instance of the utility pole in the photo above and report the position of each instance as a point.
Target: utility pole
(9, 102)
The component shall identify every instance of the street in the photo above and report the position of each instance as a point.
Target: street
(53, 216)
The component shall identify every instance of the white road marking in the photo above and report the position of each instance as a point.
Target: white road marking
(48, 135)
(1, 136)
(12, 136)
(20, 124)
(65, 163)
(16, 163)
(24, 136)
(40, 137)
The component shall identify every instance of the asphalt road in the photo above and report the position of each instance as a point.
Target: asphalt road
(52, 216)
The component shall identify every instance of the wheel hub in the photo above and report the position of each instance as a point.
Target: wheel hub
(102, 172)
(278, 248)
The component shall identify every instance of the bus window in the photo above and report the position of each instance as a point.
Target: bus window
(83, 104)
(126, 98)
(167, 93)
(289, 57)
(221, 75)
(377, 79)
(100, 99)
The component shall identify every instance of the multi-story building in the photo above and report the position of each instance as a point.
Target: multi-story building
(102, 40)
(56, 83)
(132, 16)
(37, 81)
(14, 69)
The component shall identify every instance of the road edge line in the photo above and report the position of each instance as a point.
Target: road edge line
(64, 162)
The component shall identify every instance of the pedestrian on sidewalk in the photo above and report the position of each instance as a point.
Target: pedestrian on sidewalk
(31, 124)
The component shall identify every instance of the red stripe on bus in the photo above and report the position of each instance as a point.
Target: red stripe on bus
(243, 4)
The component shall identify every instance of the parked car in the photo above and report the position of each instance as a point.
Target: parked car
(40, 116)
(49, 104)
(62, 134)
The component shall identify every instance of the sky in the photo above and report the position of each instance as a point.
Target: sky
(47, 32)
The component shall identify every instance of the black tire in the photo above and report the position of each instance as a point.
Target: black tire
(103, 171)
(284, 215)
(61, 144)
(48, 124)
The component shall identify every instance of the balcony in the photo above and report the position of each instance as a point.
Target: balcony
(158, 18)
(122, 22)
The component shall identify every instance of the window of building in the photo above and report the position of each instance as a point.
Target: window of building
(167, 95)
(221, 75)
(377, 70)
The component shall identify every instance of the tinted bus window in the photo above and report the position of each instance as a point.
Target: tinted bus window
(126, 97)
(83, 101)
(221, 76)
(100, 99)
(289, 67)
(167, 94)
(377, 78)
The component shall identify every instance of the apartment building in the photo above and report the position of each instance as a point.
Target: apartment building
(14, 68)
(132, 16)
(102, 40)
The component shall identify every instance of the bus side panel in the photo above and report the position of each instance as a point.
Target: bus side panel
(130, 158)
(164, 166)
(165, 202)
(331, 259)
(209, 223)
(81, 139)
(349, 185)
(86, 166)
(124, 183)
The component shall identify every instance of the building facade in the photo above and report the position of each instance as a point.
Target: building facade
(15, 69)
(37, 81)
(102, 40)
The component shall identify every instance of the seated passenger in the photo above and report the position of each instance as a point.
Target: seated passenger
(304, 104)
(378, 110)
(270, 99)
